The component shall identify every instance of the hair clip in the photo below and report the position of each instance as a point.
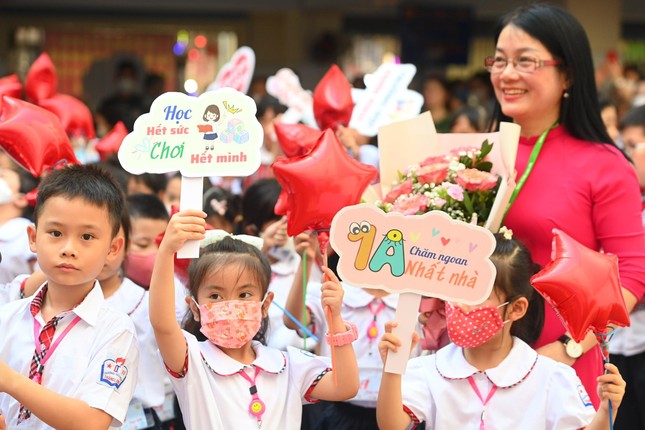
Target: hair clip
(506, 232)
(219, 207)
(214, 236)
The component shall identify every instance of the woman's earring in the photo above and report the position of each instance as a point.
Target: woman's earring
(565, 95)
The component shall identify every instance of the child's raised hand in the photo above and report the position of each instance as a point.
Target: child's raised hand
(306, 243)
(331, 292)
(185, 225)
(275, 234)
(611, 386)
(390, 342)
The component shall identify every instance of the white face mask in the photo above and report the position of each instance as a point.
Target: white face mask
(6, 195)
(283, 252)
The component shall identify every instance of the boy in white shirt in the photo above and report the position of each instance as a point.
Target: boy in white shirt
(83, 369)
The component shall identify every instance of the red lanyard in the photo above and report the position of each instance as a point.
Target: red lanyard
(54, 344)
(484, 401)
(256, 406)
(372, 330)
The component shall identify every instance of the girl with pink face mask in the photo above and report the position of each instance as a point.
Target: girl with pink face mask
(223, 374)
(489, 377)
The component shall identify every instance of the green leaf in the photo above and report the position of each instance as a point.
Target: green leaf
(484, 166)
(468, 203)
(485, 149)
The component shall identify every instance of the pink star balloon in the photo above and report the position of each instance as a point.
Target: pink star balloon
(583, 286)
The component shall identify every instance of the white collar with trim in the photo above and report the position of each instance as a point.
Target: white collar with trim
(88, 309)
(269, 360)
(355, 297)
(451, 364)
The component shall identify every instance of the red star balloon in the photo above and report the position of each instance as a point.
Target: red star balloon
(73, 114)
(11, 86)
(583, 287)
(33, 136)
(296, 140)
(111, 142)
(41, 80)
(321, 183)
(333, 102)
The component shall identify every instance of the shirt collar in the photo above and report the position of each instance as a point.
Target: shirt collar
(88, 309)
(269, 360)
(355, 297)
(451, 364)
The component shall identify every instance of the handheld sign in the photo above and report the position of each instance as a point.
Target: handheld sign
(422, 255)
(213, 134)
(385, 99)
(285, 86)
(237, 73)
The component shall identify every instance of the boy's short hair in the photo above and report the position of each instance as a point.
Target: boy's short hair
(147, 206)
(91, 183)
(635, 117)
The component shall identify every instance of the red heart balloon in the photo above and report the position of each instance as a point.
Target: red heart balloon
(33, 136)
(583, 287)
(11, 86)
(75, 117)
(111, 142)
(41, 80)
(320, 184)
(333, 102)
(296, 140)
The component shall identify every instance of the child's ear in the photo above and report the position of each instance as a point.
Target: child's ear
(518, 308)
(118, 242)
(193, 307)
(267, 303)
(31, 234)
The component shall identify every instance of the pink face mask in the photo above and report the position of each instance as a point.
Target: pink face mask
(139, 267)
(230, 323)
(474, 327)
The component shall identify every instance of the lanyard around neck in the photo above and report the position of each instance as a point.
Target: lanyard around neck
(372, 330)
(256, 406)
(481, 398)
(55, 344)
(529, 167)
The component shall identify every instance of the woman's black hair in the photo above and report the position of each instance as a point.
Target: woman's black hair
(514, 270)
(223, 255)
(476, 116)
(565, 38)
(218, 199)
(258, 204)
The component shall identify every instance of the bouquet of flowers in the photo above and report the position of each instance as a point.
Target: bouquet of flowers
(459, 183)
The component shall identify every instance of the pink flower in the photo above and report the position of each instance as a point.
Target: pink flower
(432, 173)
(411, 205)
(434, 160)
(399, 190)
(456, 192)
(438, 202)
(476, 180)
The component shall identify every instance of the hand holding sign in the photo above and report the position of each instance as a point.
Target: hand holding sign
(214, 134)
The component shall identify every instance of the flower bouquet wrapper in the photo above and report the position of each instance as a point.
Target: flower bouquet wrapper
(406, 143)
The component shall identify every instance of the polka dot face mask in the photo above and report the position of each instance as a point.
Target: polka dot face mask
(474, 327)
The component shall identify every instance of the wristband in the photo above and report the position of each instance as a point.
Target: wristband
(344, 338)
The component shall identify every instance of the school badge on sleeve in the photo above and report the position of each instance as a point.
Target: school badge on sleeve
(113, 372)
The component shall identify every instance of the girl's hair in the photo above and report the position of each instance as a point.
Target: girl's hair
(220, 256)
(218, 200)
(565, 38)
(514, 270)
(476, 116)
(211, 109)
(258, 204)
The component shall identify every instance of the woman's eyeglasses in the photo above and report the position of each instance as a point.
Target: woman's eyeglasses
(522, 65)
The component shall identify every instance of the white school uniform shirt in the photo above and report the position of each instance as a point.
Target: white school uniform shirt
(278, 335)
(356, 309)
(534, 392)
(10, 291)
(132, 300)
(14, 246)
(79, 365)
(212, 395)
(630, 341)
(181, 307)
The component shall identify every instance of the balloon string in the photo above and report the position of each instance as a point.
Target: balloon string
(603, 339)
(304, 299)
(306, 332)
(330, 328)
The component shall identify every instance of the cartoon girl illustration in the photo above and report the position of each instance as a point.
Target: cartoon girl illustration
(210, 129)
